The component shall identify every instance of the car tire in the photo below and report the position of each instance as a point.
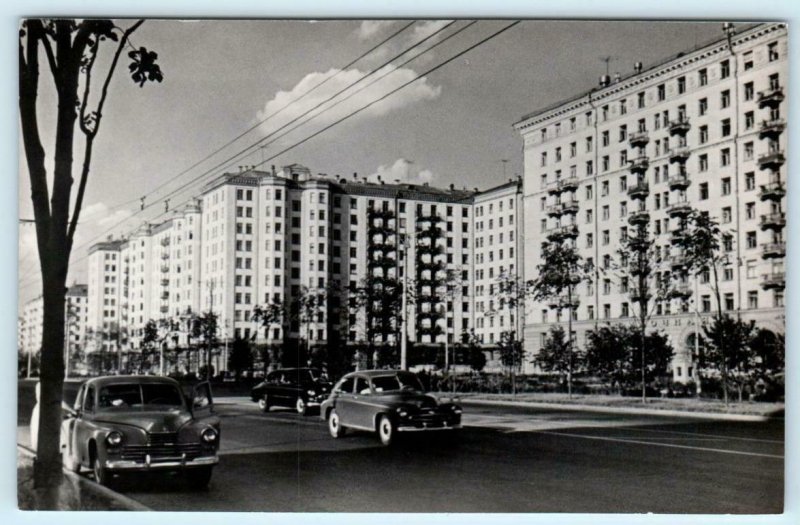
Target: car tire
(301, 406)
(386, 430)
(263, 403)
(199, 478)
(335, 425)
(101, 475)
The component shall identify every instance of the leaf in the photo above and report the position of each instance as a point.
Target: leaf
(144, 67)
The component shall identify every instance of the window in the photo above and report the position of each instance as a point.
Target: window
(752, 300)
(772, 52)
(727, 274)
(725, 157)
(681, 85)
(623, 133)
(704, 191)
(725, 69)
(589, 216)
(605, 138)
(604, 189)
(573, 149)
(589, 192)
(749, 91)
(751, 240)
(589, 142)
(606, 163)
(703, 162)
(727, 216)
(662, 92)
(703, 134)
(726, 186)
(749, 181)
(748, 151)
(589, 240)
(725, 99)
(606, 212)
(544, 159)
(702, 106)
(625, 312)
(640, 100)
(703, 75)
(705, 303)
(747, 58)
(606, 311)
(623, 107)
(749, 120)
(606, 237)
(750, 210)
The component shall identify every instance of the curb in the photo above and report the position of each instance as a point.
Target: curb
(124, 501)
(620, 410)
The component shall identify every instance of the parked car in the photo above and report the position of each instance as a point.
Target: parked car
(298, 388)
(122, 424)
(386, 402)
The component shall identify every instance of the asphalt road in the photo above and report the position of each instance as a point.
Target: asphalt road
(504, 460)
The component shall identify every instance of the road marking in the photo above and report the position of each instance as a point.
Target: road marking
(667, 445)
(780, 442)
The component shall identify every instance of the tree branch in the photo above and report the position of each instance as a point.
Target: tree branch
(87, 87)
(51, 59)
(87, 157)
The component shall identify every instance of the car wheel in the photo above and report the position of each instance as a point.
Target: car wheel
(386, 430)
(335, 425)
(198, 478)
(263, 403)
(101, 475)
(301, 406)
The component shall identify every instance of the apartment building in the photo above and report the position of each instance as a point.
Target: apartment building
(257, 237)
(703, 130)
(104, 300)
(75, 322)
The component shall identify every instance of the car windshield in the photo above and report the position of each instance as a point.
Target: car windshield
(134, 395)
(317, 375)
(400, 381)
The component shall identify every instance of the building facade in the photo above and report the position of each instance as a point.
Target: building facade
(258, 237)
(702, 130)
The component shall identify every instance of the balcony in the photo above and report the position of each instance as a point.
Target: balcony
(164, 282)
(562, 232)
(165, 268)
(561, 185)
(771, 128)
(679, 209)
(164, 296)
(680, 126)
(772, 160)
(679, 182)
(773, 221)
(677, 236)
(773, 281)
(640, 164)
(679, 154)
(678, 262)
(639, 217)
(639, 139)
(773, 250)
(640, 190)
(773, 191)
(771, 97)
(164, 308)
(563, 301)
(165, 241)
(681, 291)
(165, 255)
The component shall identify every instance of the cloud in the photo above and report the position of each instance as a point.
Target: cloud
(402, 171)
(418, 91)
(370, 28)
(427, 28)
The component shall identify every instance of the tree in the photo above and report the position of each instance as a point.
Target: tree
(562, 269)
(310, 307)
(475, 356)
(557, 354)
(730, 352)
(150, 340)
(614, 352)
(267, 316)
(701, 244)
(70, 49)
(204, 327)
(241, 357)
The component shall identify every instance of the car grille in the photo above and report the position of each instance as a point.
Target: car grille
(161, 438)
(156, 452)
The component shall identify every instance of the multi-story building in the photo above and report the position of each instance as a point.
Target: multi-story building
(703, 130)
(75, 322)
(257, 237)
(104, 336)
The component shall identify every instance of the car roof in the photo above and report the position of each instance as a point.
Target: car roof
(376, 373)
(294, 369)
(114, 380)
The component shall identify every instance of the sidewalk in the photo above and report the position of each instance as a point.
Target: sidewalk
(689, 407)
(75, 492)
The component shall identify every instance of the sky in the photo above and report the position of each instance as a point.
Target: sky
(453, 125)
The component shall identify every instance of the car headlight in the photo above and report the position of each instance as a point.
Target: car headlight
(311, 392)
(402, 412)
(114, 438)
(209, 435)
(455, 409)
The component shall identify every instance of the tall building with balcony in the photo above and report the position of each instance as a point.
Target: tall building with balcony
(257, 237)
(104, 337)
(701, 130)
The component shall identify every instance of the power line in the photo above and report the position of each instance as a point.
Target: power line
(427, 72)
(268, 117)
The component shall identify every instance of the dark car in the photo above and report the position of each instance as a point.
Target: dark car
(122, 424)
(298, 388)
(386, 402)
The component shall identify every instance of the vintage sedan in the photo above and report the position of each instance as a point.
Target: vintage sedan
(298, 388)
(386, 402)
(122, 424)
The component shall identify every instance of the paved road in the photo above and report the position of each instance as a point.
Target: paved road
(505, 460)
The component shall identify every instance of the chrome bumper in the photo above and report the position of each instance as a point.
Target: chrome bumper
(166, 463)
(428, 429)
